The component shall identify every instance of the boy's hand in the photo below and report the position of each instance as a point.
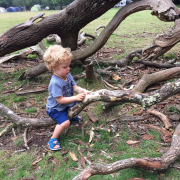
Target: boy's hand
(80, 96)
(86, 91)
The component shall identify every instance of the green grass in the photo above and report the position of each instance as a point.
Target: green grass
(136, 31)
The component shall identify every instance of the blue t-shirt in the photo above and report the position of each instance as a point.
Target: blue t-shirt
(59, 87)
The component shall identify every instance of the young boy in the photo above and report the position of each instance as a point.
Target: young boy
(61, 88)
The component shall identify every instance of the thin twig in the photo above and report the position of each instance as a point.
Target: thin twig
(13, 132)
(25, 139)
(8, 127)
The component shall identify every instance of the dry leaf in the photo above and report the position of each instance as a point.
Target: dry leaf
(78, 141)
(91, 135)
(66, 159)
(83, 162)
(14, 138)
(56, 161)
(64, 152)
(73, 156)
(147, 137)
(91, 145)
(131, 142)
(115, 77)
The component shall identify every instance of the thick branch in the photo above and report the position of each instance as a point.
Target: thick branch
(26, 121)
(164, 10)
(145, 100)
(149, 79)
(161, 116)
(68, 21)
(163, 43)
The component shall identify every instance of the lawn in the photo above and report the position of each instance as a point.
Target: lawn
(135, 32)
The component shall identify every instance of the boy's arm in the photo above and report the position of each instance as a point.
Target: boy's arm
(68, 100)
(79, 90)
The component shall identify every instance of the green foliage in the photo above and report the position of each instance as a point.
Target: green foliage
(172, 109)
(32, 56)
(31, 110)
(19, 99)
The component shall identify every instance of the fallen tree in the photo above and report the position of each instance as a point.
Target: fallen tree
(164, 10)
(64, 24)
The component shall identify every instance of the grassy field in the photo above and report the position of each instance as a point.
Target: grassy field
(136, 31)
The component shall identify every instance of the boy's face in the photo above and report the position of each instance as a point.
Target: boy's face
(62, 70)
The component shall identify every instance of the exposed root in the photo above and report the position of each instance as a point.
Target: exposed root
(161, 116)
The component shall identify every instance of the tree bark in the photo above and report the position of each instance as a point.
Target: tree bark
(162, 43)
(65, 23)
(149, 79)
(164, 10)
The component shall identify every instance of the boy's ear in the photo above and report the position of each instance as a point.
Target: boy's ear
(52, 67)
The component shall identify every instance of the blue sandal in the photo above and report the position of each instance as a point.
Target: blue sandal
(52, 142)
(76, 119)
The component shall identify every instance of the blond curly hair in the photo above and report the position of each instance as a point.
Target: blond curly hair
(56, 55)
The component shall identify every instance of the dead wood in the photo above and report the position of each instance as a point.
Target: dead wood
(31, 92)
(50, 38)
(57, 39)
(164, 10)
(25, 139)
(8, 127)
(125, 61)
(162, 43)
(119, 96)
(42, 46)
(131, 118)
(92, 117)
(110, 86)
(26, 121)
(149, 79)
(96, 30)
(22, 55)
(82, 39)
(13, 90)
(33, 72)
(158, 65)
(165, 135)
(158, 164)
(90, 71)
(145, 100)
(13, 131)
(90, 35)
(162, 117)
(76, 77)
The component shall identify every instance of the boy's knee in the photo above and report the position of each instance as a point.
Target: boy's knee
(66, 124)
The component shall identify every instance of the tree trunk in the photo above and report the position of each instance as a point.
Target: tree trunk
(164, 10)
(68, 21)
(60, 5)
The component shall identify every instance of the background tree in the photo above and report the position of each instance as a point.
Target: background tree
(5, 3)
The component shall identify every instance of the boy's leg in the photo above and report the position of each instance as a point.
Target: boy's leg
(59, 129)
